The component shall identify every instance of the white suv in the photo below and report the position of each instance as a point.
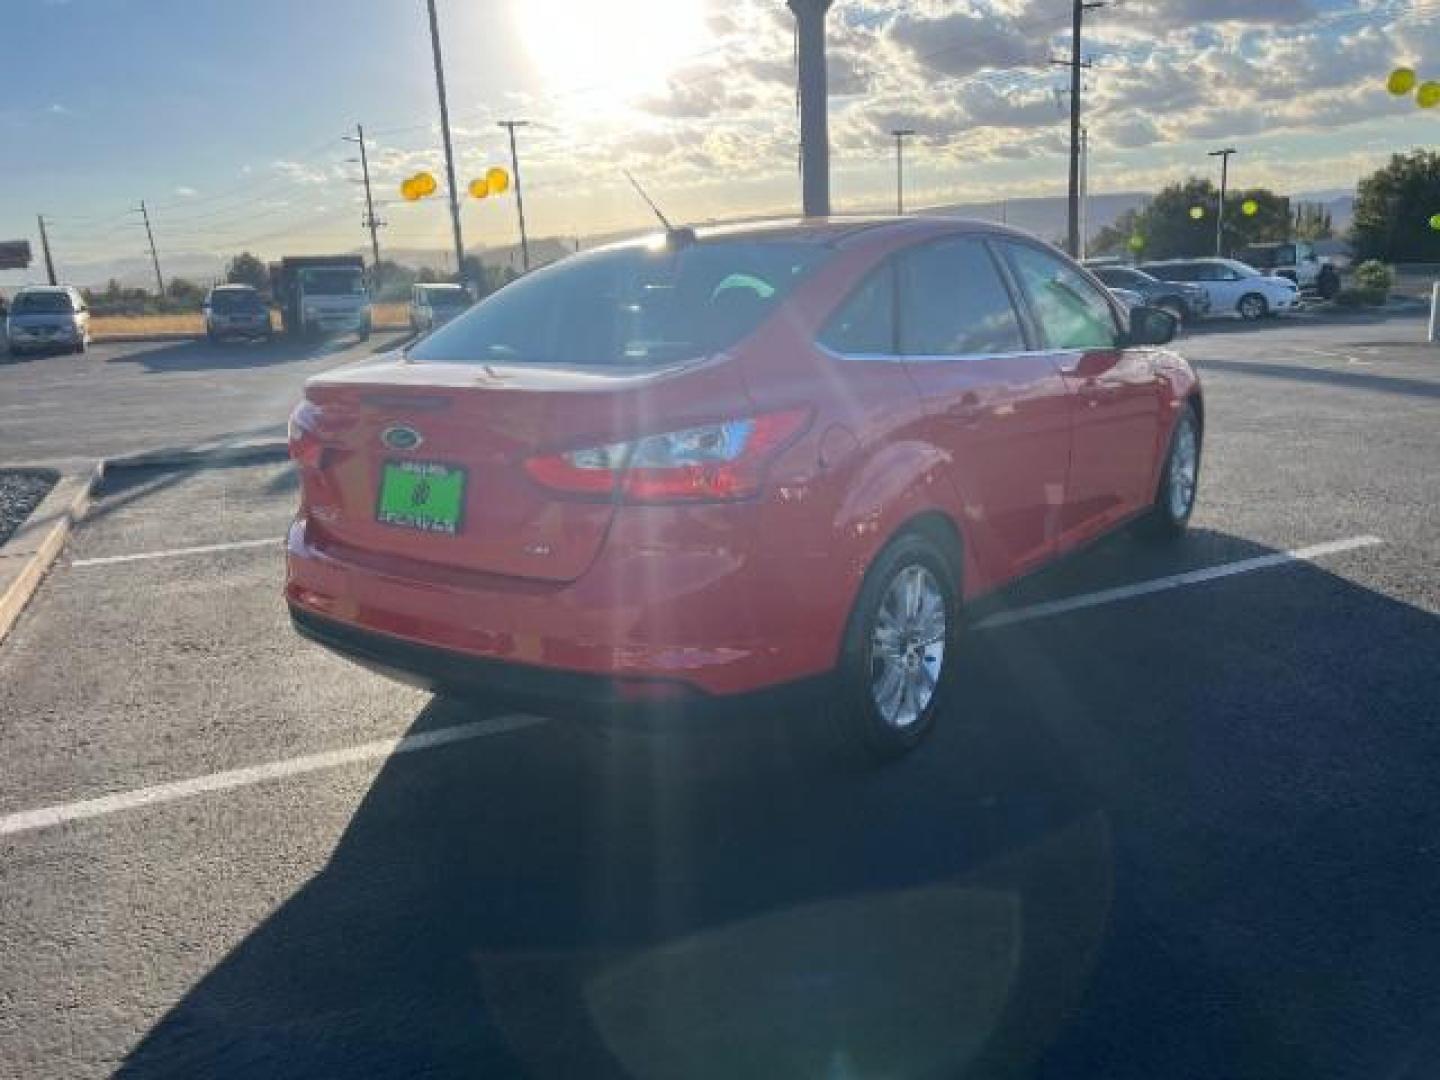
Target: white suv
(1231, 286)
(48, 318)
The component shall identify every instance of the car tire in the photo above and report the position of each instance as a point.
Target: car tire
(1252, 307)
(1169, 515)
(887, 696)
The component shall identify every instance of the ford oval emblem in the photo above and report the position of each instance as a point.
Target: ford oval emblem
(400, 437)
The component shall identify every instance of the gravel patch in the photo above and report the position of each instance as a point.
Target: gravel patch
(20, 492)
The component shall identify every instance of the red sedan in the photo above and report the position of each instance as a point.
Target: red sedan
(713, 463)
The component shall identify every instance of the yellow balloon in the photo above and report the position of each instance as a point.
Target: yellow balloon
(409, 190)
(479, 189)
(497, 180)
(1401, 81)
(1197, 212)
(1428, 95)
(1250, 207)
(425, 183)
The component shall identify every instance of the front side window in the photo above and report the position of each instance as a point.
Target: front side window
(1072, 313)
(865, 323)
(632, 306)
(953, 302)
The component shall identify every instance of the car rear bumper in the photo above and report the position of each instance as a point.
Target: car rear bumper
(637, 625)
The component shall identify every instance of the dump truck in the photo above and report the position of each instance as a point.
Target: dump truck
(321, 295)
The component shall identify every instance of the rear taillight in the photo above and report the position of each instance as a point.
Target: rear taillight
(305, 446)
(708, 463)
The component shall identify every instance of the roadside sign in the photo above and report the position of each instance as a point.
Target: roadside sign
(14, 254)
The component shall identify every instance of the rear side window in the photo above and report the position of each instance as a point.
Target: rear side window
(953, 303)
(1072, 313)
(865, 323)
(1178, 272)
(38, 302)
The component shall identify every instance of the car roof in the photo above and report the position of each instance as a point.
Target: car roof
(437, 285)
(233, 287)
(67, 289)
(836, 230)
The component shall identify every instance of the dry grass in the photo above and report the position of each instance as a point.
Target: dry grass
(388, 316)
(107, 325)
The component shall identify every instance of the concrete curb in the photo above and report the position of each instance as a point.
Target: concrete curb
(34, 547)
(30, 553)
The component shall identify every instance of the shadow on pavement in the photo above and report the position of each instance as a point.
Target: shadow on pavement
(202, 355)
(1348, 380)
(1187, 836)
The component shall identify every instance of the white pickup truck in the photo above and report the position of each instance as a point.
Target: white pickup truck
(1296, 260)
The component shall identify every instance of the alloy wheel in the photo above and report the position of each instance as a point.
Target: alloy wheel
(907, 646)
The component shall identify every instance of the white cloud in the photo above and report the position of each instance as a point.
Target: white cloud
(187, 192)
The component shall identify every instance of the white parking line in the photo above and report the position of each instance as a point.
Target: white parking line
(49, 816)
(1174, 581)
(168, 553)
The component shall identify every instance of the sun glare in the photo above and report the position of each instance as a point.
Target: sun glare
(610, 49)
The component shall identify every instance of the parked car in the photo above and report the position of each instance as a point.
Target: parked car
(1231, 286)
(1186, 302)
(716, 463)
(433, 305)
(233, 311)
(48, 318)
(1296, 260)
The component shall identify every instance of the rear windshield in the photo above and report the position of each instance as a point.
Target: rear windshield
(632, 306)
(446, 297)
(337, 282)
(42, 301)
(234, 300)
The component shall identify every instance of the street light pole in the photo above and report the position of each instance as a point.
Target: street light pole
(900, 135)
(445, 134)
(510, 126)
(1224, 156)
(814, 122)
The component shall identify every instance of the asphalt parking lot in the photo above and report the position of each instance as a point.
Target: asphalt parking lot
(1182, 824)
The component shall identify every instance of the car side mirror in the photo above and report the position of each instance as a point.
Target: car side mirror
(1151, 326)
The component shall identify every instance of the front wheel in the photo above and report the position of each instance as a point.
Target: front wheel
(899, 648)
(1179, 479)
(1252, 307)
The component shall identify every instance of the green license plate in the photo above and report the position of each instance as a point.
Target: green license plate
(421, 495)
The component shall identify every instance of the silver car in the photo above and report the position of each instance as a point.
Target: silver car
(433, 305)
(48, 318)
(236, 311)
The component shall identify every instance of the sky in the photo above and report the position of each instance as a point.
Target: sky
(227, 117)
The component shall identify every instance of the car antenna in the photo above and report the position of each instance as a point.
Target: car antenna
(672, 234)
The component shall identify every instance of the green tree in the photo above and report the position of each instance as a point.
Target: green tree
(1169, 229)
(1393, 207)
(247, 269)
(1313, 222)
(183, 291)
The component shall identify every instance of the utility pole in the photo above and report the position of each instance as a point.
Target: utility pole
(1084, 191)
(449, 152)
(154, 258)
(814, 122)
(511, 125)
(900, 135)
(1076, 66)
(370, 222)
(1224, 156)
(45, 247)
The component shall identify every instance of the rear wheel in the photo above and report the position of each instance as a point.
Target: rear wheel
(899, 648)
(1252, 306)
(1179, 479)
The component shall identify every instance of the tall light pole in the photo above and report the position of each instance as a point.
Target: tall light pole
(449, 153)
(370, 222)
(45, 246)
(901, 134)
(814, 122)
(511, 125)
(1224, 156)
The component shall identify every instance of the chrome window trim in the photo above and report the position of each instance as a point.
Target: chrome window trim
(945, 358)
